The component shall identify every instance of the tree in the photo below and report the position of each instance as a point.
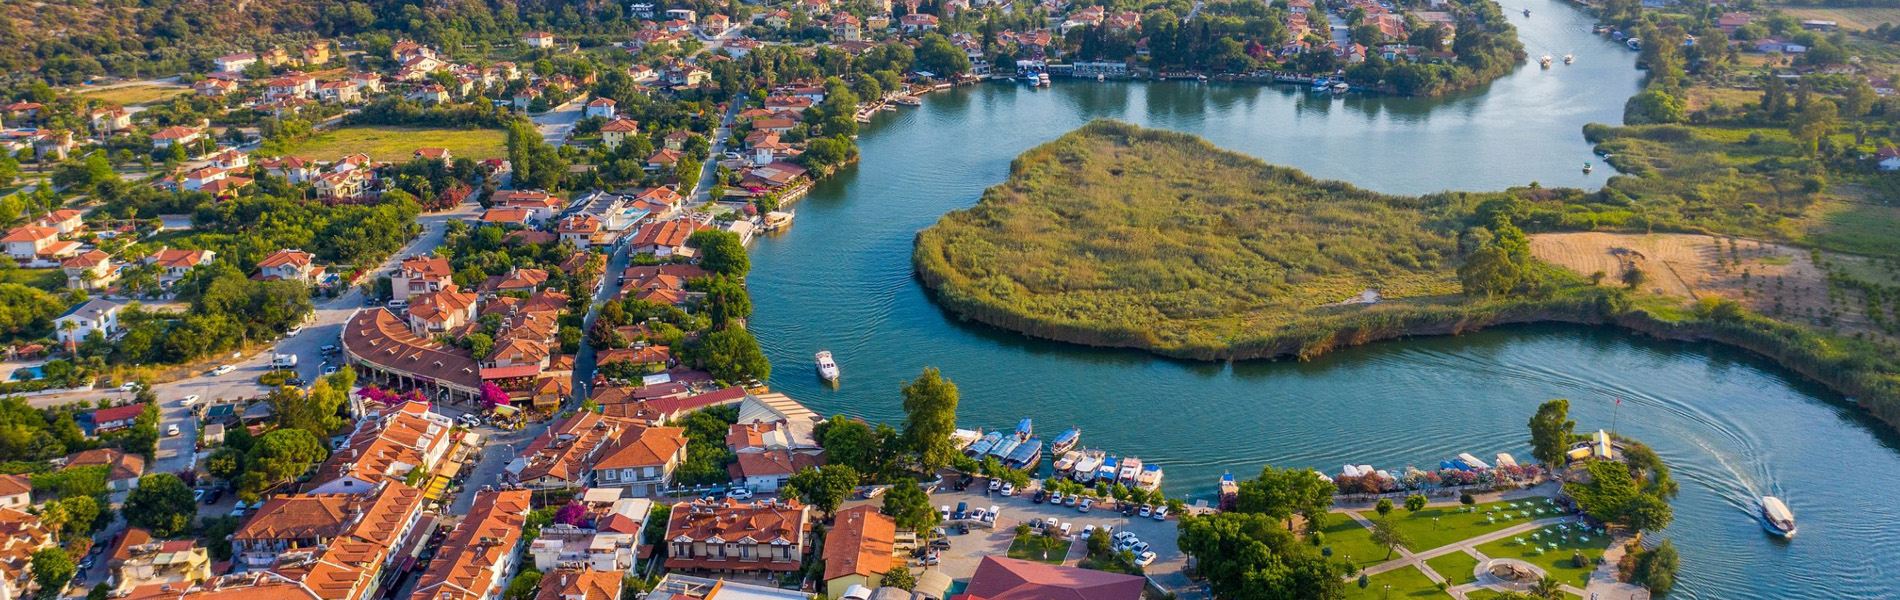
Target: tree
(280, 456)
(1489, 272)
(930, 416)
(824, 488)
(909, 506)
(1250, 556)
(1647, 512)
(730, 355)
(899, 577)
(162, 504)
(1384, 507)
(721, 252)
(1415, 502)
(851, 442)
(939, 55)
(1635, 276)
(1279, 493)
(525, 586)
(81, 514)
(1656, 569)
(1385, 534)
(1551, 429)
(53, 568)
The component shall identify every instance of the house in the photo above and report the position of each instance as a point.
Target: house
(815, 7)
(66, 220)
(383, 349)
(291, 168)
(1729, 22)
(515, 280)
(431, 93)
(338, 91)
(352, 183)
(16, 492)
(641, 10)
(231, 160)
(21, 534)
(682, 14)
(859, 550)
(110, 120)
(916, 23)
(89, 270)
(294, 86)
(289, 265)
(1000, 578)
(122, 470)
(94, 315)
(602, 107)
(476, 559)
(199, 179)
(538, 39)
(540, 204)
(275, 56)
(666, 158)
(388, 444)
(175, 563)
(337, 546)
(616, 131)
(714, 25)
(236, 62)
(779, 19)
(214, 87)
(106, 420)
(643, 461)
(316, 53)
(765, 472)
(730, 536)
(175, 263)
(442, 311)
(25, 243)
(664, 238)
(1888, 157)
(1767, 45)
(846, 28)
(420, 274)
(581, 230)
(169, 136)
(562, 457)
(580, 584)
(441, 155)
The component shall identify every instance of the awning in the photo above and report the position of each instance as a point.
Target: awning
(506, 410)
(436, 487)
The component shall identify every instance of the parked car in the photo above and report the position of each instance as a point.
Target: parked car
(1070, 500)
(977, 514)
(1088, 531)
(130, 386)
(963, 510)
(1122, 536)
(171, 431)
(1161, 513)
(996, 485)
(1144, 559)
(329, 349)
(1084, 506)
(188, 400)
(1009, 489)
(1055, 498)
(294, 331)
(329, 369)
(945, 511)
(940, 543)
(963, 528)
(211, 497)
(1147, 511)
(1039, 497)
(994, 511)
(739, 493)
(222, 369)
(1065, 528)
(197, 494)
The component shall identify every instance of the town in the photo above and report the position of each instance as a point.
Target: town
(356, 316)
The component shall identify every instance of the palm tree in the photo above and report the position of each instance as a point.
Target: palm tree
(1548, 588)
(72, 341)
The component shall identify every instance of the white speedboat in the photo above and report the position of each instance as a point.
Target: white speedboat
(827, 369)
(1545, 61)
(1570, 58)
(1776, 517)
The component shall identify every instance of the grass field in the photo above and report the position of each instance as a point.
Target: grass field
(1408, 582)
(1348, 538)
(1456, 567)
(1557, 562)
(1850, 18)
(1854, 226)
(1039, 548)
(1434, 527)
(1700, 97)
(52, 280)
(398, 144)
(136, 94)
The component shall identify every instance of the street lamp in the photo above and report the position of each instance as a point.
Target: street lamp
(1388, 590)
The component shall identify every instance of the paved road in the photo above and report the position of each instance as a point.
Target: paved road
(702, 192)
(555, 124)
(608, 288)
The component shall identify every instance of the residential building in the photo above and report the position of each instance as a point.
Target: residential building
(157, 564)
(1000, 578)
(381, 345)
(846, 28)
(122, 470)
(289, 265)
(215, 87)
(475, 561)
(612, 544)
(1888, 157)
(916, 23)
(21, 534)
(420, 274)
(441, 155)
(441, 311)
(766, 471)
(110, 120)
(730, 536)
(859, 549)
(236, 62)
(89, 270)
(16, 492)
(538, 39)
(288, 523)
(616, 131)
(67, 220)
(94, 315)
(388, 444)
(563, 456)
(339, 91)
(580, 584)
(643, 461)
(665, 238)
(602, 107)
(25, 243)
(582, 230)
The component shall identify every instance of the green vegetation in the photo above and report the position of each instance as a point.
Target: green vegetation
(824, 488)
(930, 408)
(1440, 526)
(398, 144)
(1253, 556)
(1455, 567)
(1040, 548)
(706, 452)
(135, 94)
(161, 503)
(1560, 563)
(1408, 582)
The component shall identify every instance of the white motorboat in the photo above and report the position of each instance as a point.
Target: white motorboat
(827, 369)
(1544, 61)
(1570, 58)
(1776, 517)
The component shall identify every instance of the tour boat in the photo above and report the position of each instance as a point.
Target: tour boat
(1100, 78)
(1230, 491)
(1002, 449)
(909, 101)
(1544, 61)
(827, 369)
(1587, 168)
(1570, 58)
(1031, 79)
(983, 446)
(1341, 87)
(1131, 467)
(1634, 43)
(1776, 517)
(1527, 12)
(778, 219)
(1024, 429)
(1149, 478)
(1322, 84)
(1066, 441)
(1086, 465)
(1027, 454)
(1107, 471)
(1067, 461)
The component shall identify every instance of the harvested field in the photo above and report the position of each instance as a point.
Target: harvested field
(1850, 18)
(1771, 279)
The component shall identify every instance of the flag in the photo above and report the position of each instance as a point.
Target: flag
(1619, 401)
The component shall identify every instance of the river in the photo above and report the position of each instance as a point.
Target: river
(1732, 426)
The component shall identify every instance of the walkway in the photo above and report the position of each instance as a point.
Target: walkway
(1603, 584)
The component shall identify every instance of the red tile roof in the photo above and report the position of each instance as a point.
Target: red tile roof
(999, 578)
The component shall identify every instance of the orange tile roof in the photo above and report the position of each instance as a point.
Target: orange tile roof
(466, 564)
(285, 258)
(30, 233)
(381, 441)
(564, 451)
(581, 584)
(11, 485)
(175, 258)
(648, 447)
(123, 465)
(861, 542)
(380, 337)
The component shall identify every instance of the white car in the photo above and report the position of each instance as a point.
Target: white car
(1055, 498)
(222, 369)
(1147, 511)
(1144, 559)
(1084, 506)
(130, 386)
(294, 331)
(1121, 536)
(329, 369)
(996, 484)
(739, 494)
(1161, 513)
(188, 400)
(1065, 529)
(1088, 531)
(977, 514)
(171, 431)
(1009, 489)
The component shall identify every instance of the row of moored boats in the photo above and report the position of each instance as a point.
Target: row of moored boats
(1021, 449)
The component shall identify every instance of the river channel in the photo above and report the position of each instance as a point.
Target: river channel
(1732, 426)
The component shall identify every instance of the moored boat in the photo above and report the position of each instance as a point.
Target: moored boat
(1086, 466)
(778, 219)
(1776, 517)
(1066, 462)
(1131, 467)
(1025, 428)
(1107, 471)
(1149, 478)
(1026, 454)
(909, 101)
(1588, 168)
(1003, 448)
(980, 447)
(1066, 441)
(827, 368)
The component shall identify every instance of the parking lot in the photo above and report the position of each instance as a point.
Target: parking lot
(967, 550)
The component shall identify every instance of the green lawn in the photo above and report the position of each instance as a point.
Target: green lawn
(1434, 527)
(52, 280)
(1557, 562)
(1348, 538)
(1408, 582)
(136, 94)
(1040, 549)
(1483, 594)
(398, 144)
(1455, 567)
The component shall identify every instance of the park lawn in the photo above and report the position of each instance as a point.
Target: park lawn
(1040, 549)
(51, 280)
(399, 144)
(1556, 562)
(1408, 582)
(1348, 538)
(1484, 594)
(137, 94)
(1456, 567)
(1437, 526)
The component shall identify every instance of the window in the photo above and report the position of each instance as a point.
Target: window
(609, 474)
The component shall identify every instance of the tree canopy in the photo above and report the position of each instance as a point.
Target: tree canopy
(930, 408)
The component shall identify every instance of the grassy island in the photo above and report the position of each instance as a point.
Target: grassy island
(1118, 236)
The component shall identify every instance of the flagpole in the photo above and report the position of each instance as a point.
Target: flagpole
(1614, 413)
